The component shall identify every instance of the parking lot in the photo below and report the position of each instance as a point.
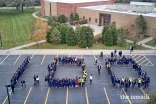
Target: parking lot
(100, 92)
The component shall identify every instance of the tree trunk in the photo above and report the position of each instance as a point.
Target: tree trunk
(22, 7)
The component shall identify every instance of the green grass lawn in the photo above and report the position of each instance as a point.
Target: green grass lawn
(151, 43)
(15, 26)
(95, 46)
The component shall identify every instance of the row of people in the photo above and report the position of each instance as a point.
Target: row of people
(19, 72)
(66, 82)
(70, 60)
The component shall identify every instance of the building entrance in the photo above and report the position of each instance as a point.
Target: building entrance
(104, 19)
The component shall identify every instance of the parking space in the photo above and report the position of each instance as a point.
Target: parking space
(142, 60)
(2, 57)
(57, 96)
(36, 60)
(76, 96)
(9, 60)
(100, 92)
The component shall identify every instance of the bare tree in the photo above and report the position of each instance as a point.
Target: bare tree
(134, 31)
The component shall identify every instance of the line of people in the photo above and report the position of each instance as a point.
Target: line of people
(66, 82)
(70, 60)
(19, 72)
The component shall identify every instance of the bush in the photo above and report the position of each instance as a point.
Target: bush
(62, 19)
(82, 21)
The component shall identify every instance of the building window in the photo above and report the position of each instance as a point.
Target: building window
(89, 19)
(96, 20)
(83, 17)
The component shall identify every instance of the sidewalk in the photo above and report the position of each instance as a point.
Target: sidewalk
(71, 52)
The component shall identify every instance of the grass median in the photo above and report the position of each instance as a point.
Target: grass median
(95, 46)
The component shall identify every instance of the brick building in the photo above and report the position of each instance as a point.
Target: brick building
(66, 7)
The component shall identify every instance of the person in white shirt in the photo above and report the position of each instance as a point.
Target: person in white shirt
(91, 78)
(37, 79)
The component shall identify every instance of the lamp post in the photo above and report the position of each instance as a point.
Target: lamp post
(8, 93)
(87, 39)
(1, 39)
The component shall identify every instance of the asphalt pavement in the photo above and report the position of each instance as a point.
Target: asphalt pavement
(100, 92)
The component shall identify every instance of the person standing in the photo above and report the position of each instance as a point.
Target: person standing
(99, 68)
(91, 78)
(12, 87)
(34, 80)
(101, 54)
(155, 50)
(37, 79)
(95, 59)
(23, 83)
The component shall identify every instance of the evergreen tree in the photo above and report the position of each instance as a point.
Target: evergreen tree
(114, 32)
(71, 18)
(55, 36)
(76, 16)
(122, 35)
(82, 38)
(63, 30)
(108, 37)
(70, 37)
(62, 19)
(142, 24)
(103, 32)
(77, 31)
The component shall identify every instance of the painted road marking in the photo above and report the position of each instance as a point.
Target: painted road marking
(106, 95)
(17, 59)
(86, 96)
(143, 91)
(27, 96)
(32, 56)
(133, 56)
(148, 60)
(140, 59)
(142, 62)
(127, 96)
(6, 98)
(138, 56)
(45, 102)
(43, 59)
(4, 59)
(67, 96)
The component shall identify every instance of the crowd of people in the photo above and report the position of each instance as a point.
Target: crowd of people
(66, 82)
(19, 72)
(141, 82)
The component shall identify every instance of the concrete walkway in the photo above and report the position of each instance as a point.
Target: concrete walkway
(71, 52)
(143, 43)
(34, 15)
(26, 45)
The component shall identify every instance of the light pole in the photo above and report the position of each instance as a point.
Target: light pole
(87, 39)
(8, 93)
(1, 39)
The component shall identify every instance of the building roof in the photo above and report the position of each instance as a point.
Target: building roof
(141, 3)
(74, 1)
(103, 8)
